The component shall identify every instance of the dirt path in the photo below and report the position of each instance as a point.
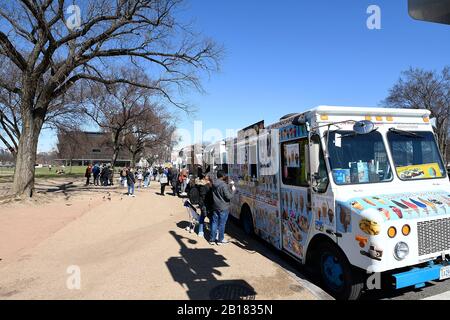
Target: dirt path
(130, 248)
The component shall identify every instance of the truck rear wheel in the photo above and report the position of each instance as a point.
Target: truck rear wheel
(337, 275)
(247, 221)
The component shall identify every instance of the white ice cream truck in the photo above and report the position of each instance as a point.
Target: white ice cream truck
(352, 191)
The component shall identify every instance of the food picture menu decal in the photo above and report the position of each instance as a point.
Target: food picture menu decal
(293, 155)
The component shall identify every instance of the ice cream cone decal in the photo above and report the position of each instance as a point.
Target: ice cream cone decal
(379, 200)
(435, 201)
(302, 203)
(438, 204)
(357, 205)
(430, 204)
(447, 201)
(290, 200)
(412, 206)
(385, 212)
(397, 211)
(369, 202)
(400, 205)
(420, 205)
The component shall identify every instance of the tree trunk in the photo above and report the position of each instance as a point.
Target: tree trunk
(23, 185)
(442, 137)
(114, 158)
(133, 160)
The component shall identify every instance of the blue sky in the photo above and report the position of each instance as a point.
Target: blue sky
(291, 55)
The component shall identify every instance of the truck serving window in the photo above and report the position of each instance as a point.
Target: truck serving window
(358, 159)
(294, 163)
(416, 155)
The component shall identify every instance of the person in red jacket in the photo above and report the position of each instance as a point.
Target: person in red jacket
(88, 174)
(183, 180)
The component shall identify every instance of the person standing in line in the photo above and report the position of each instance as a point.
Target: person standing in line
(222, 193)
(131, 180)
(140, 177)
(163, 180)
(183, 181)
(155, 173)
(96, 173)
(103, 175)
(147, 178)
(88, 174)
(174, 182)
(123, 176)
(110, 175)
(203, 185)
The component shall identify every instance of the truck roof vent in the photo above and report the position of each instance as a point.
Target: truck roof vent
(290, 115)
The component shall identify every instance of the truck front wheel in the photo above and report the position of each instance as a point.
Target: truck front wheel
(337, 275)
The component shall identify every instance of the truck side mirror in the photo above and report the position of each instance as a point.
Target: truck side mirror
(314, 158)
(432, 11)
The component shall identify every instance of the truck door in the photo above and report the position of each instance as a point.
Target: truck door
(294, 196)
(322, 200)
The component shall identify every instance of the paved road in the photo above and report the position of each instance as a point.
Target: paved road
(439, 290)
(138, 248)
(433, 291)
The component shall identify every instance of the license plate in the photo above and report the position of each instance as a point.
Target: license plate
(445, 273)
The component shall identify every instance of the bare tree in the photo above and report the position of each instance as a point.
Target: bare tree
(6, 156)
(54, 49)
(63, 112)
(152, 128)
(421, 89)
(46, 157)
(115, 109)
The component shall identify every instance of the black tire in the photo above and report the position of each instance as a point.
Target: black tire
(338, 277)
(247, 222)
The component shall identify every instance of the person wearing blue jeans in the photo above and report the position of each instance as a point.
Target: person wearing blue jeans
(131, 180)
(222, 193)
(219, 222)
(203, 185)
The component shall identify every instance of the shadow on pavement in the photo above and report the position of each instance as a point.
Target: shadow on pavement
(197, 270)
(257, 245)
(254, 245)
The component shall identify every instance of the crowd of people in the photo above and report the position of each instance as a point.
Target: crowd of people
(102, 174)
(211, 195)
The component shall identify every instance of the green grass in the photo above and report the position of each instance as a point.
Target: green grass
(77, 171)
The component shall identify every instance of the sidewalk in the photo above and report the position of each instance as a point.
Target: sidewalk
(137, 248)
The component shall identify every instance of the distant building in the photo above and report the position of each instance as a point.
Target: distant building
(80, 148)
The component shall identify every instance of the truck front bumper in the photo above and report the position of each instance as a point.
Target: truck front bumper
(418, 276)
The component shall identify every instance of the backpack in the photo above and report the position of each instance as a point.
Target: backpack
(163, 179)
(194, 195)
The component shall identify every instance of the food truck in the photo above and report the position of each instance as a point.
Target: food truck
(353, 192)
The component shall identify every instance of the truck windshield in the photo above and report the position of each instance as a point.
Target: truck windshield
(358, 159)
(416, 155)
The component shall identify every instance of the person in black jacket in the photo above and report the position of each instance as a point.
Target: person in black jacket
(174, 182)
(131, 180)
(203, 185)
(222, 193)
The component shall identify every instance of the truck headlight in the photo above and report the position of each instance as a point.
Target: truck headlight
(401, 251)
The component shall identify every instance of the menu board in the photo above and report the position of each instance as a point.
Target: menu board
(423, 171)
